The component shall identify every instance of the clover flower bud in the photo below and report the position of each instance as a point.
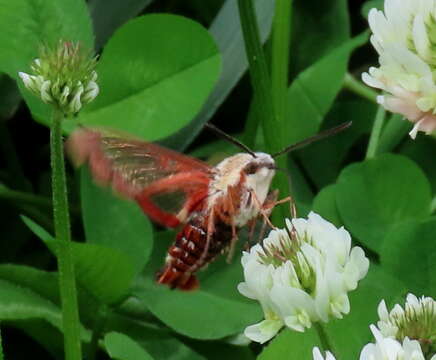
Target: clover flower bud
(63, 76)
(300, 275)
(403, 36)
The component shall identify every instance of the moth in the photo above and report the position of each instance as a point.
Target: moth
(209, 204)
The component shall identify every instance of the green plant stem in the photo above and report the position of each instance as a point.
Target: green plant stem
(21, 196)
(325, 343)
(355, 86)
(67, 284)
(99, 325)
(375, 133)
(261, 82)
(280, 57)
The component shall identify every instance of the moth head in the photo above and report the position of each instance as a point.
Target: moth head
(261, 166)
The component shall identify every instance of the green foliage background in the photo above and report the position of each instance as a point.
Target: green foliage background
(165, 69)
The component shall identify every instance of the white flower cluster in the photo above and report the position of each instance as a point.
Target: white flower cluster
(63, 76)
(385, 348)
(301, 274)
(404, 37)
(417, 319)
(397, 330)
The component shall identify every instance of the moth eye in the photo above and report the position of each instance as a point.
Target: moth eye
(251, 169)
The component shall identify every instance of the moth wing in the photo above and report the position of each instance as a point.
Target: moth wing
(167, 185)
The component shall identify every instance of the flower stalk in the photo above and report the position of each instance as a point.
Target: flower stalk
(375, 133)
(323, 338)
(64, 77)
(355, 86)
(67, 283)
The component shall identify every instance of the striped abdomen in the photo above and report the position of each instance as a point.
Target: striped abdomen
(185, 256)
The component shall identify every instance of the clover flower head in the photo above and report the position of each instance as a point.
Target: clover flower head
(384, 348)
(404, 37)
(63, 76)
(417, 320)
(392, 349)
(301, 274)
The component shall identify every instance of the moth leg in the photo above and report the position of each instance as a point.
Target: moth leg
(265, 212)
(234, 238)
(292, 206)
(251, 227)
(233, 241)
(261, 232)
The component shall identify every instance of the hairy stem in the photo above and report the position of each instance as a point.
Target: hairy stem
(375, 133)
(67, 284)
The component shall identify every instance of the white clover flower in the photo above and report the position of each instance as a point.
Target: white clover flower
(387, 348)
(301, 274)
(417, 320)
(64, 77)
(403, 36)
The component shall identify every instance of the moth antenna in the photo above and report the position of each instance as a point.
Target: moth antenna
(320, 136)
(230, 139)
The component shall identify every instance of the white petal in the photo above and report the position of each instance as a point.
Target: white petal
(75, 104)
(263, 331)
(45, 91)
(415, 130)
(382, 311)
(316, 353)
(245, 290)
(91, 92)
(400, 106)
(420, 38)
(371, 81)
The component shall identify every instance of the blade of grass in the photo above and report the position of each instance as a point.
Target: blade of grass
(261, 82)
(280, 57)
(226, 31)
